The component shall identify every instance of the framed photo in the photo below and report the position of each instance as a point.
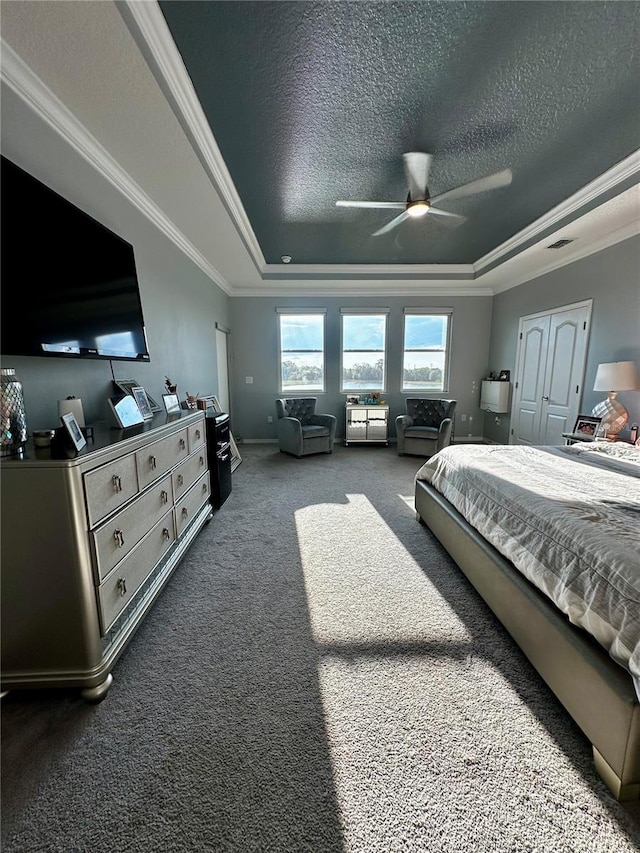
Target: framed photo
(586, 425)
(236, 459)
(126, 386)
(125, 411)
(504, 376)
(353, 399)
(171, 403)
(140, 396)
(73, 430)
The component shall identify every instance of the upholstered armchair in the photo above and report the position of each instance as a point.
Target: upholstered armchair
(426, 428)
(300, 430)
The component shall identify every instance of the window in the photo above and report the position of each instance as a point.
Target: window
(301, 352)
(364, 340)
(425, 363)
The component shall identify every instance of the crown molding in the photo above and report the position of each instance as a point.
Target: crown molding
(147, 25)
(382, 272)
(631, 229)
(374, 288)
(610, 180)
(21, 80)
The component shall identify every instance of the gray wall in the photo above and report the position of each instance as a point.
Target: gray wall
(180, 303)
(255, 353)
(611, 278)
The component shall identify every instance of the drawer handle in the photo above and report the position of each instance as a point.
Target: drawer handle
(165, 533)
(185, 513)
(122, 586)
(204, 487)
(164, 497)
(152, 462)
(201, 461)
(117, 535)
(197, 434)
(183, 444)
(117, 483)
(180, 480)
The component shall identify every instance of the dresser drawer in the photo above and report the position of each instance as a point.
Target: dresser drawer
(188, 506)
(120, 587)
(114, 539)
(187, 472)
(109, 487)
(197, 435)
(158, 458)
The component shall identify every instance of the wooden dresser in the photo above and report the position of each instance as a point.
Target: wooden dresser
(88, 543)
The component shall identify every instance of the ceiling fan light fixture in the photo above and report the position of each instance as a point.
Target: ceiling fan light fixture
(416, 209)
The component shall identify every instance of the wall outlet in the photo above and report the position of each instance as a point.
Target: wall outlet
(248, 380)
(269, 419)
(463, 418)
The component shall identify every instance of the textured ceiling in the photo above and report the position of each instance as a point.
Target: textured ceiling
(314, 102)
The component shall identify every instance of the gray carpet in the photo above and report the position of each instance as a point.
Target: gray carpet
(317, 676)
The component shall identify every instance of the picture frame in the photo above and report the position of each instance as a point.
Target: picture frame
(125, 411)
(126, 386)
(73, 430)
(140, 396)
(587, 425)
(236, 459)
(171, 404)
(504, 376)
(353, 399)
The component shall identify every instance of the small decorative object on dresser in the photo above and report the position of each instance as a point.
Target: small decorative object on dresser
(171, 403)
(125, 411)
(73, 430)
(126, 386)
(140, 396)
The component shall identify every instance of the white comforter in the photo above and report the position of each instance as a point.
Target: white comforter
(568, 518)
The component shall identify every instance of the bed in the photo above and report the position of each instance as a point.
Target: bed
(550, 538)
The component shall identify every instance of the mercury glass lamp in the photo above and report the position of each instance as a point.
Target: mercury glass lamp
(614, 376)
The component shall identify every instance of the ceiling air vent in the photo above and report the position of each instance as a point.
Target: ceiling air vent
(559, 244)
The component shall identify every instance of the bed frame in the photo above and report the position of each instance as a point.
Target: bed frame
(598, 693)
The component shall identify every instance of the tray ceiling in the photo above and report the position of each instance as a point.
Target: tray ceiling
(312, 102)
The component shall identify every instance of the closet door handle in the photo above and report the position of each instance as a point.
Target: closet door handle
(546, 398)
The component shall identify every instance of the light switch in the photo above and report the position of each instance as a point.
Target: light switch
(248, 380)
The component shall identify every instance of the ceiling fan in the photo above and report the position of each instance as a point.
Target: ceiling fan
(416, 169)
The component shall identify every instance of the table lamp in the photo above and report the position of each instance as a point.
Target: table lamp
(614, 376)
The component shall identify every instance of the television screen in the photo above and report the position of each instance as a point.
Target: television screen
(69, 285)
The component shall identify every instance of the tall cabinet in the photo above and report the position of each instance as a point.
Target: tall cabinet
(89, 542)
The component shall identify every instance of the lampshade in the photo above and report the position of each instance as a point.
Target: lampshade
(617, 376)
(614, 376)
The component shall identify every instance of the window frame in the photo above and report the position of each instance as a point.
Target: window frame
(428, 312)
(370, 312)
(309, 312)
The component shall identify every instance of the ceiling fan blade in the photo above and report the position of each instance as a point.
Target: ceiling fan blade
(393, 224)
(450, 216)
(417, 166)
(490, 182)
(387, 205)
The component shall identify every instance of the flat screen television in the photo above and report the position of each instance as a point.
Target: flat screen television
(69, 285)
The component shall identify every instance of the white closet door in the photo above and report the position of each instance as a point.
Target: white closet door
(552, 350)
(528, 391)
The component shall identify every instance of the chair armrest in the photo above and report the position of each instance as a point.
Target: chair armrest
(328, 421)
(445, 425)
(290, 435)
(404, 421)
